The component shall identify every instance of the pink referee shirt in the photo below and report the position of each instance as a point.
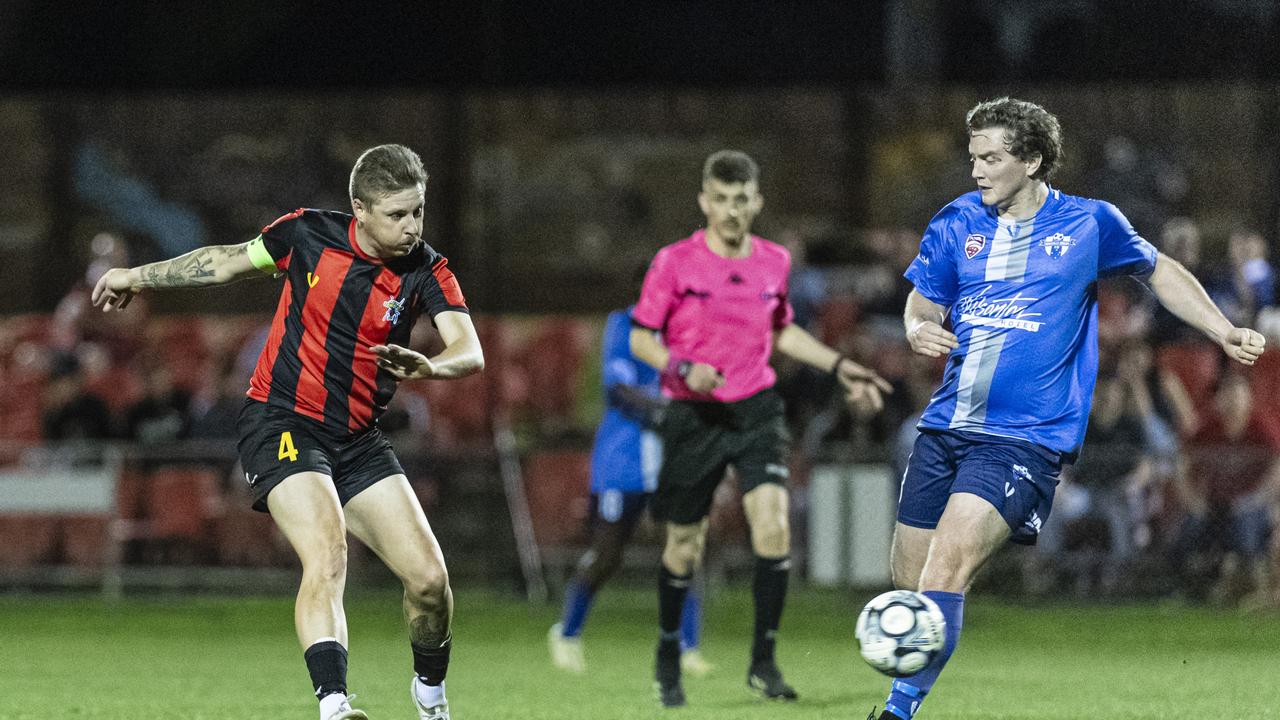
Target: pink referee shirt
(719, 311)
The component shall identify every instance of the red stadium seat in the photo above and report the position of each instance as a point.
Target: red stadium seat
(1195, 364)
(557, 483)
(180, 502)
(552, 359)
(84, 539)
(837, 320)
(247, 538)
(28, 540)
(1265, 377)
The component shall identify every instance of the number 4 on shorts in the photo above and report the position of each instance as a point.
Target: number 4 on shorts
(287, 450)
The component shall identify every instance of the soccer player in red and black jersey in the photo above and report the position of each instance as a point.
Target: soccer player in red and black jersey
(309, 438)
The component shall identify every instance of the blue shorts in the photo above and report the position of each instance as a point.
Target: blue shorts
(1016, 477)
(615, 507)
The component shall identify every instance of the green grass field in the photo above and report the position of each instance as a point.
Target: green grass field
(197, 658)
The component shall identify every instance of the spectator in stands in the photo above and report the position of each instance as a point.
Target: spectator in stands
(160, 416)
(213, 414)
(1251, 284)
(1124, 445)
(806, 285)
(70, 411)
(1180, 240)
(1229, 494)
(120, 335)
(918, 384)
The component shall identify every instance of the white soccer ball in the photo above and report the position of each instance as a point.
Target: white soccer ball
(900, 632)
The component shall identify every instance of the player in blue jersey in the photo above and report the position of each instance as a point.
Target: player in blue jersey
(624, 473)
(1013, 267)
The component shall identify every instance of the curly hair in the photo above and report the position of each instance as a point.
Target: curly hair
(384, 170)
(1030, 131)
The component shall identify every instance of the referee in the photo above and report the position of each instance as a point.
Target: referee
(712, 310)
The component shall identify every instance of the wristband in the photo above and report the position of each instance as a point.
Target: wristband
(679, 367)
(835, 368)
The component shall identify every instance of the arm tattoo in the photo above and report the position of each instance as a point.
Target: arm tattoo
(190, 270)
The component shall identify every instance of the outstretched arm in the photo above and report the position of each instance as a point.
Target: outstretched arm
(1179, 291)
(461, 356)
(210, 265)
(862, 385)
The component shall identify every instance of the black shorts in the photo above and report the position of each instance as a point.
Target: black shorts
(276, 443)
(700, 439)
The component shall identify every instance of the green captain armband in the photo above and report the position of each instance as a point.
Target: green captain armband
(260, 258)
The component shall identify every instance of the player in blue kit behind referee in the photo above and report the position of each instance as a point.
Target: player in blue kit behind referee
(1013, 267)
(624, 472)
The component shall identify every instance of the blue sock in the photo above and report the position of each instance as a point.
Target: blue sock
(907, 693)
(577, 603)
(691, 620)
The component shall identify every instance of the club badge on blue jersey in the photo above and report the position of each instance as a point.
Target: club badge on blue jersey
(393, 307)
(974, 244)
(1057, 245)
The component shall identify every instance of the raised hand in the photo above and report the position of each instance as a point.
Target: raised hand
(403, 363)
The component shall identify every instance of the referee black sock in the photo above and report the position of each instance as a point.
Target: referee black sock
(769, 589)
(327, 663)
(672, 589)
(432, 664)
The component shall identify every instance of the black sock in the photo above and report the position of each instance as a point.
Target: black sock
(327, 663)
(432, 664)
(672, 589)
(769, 589)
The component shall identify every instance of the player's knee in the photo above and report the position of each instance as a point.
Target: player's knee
(682, 556)
(329, 564)
(429, 587)
(951, 573)
(771, 536)
(605, 563)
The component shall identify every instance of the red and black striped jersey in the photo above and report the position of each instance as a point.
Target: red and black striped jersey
(336, 304)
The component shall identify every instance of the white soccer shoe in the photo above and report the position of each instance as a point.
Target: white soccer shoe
(566, 653)
(434, 712)
(346, 712)
(694, 664)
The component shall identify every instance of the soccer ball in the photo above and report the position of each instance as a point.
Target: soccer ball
(900, 632)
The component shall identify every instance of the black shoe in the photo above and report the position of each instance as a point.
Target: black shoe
(765, 678)
(666, 675)
(884, 715)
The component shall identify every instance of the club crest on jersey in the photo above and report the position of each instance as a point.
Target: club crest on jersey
(974, 244)
(393, 307)
(1057, 245)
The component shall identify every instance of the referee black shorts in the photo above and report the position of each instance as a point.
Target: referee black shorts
(700, 439)
(276, 443)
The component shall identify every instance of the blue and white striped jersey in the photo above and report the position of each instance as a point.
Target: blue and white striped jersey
(1022, 299)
